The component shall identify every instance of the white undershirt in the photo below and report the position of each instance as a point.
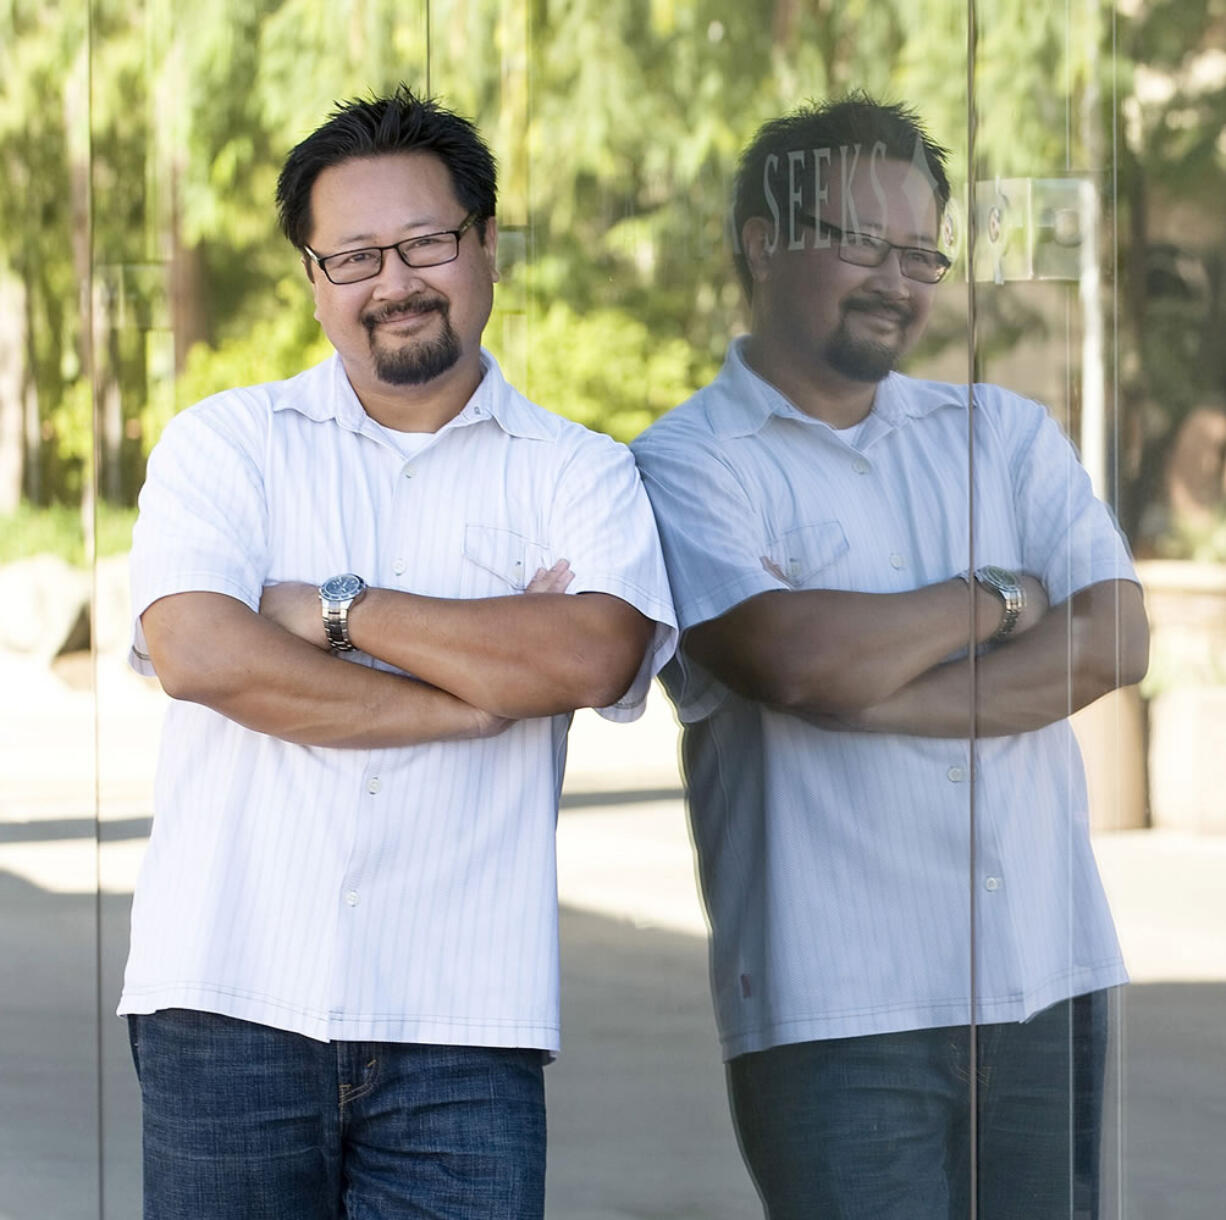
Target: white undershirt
(852, 435)
(407, 444)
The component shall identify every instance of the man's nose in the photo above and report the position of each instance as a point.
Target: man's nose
(887, 276)
(396, 278)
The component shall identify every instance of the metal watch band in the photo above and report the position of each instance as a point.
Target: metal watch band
(336, 627)
(1008, 588)
(336, 596)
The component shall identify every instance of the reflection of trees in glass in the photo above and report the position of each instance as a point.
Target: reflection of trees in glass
(617, 124)
(1172, 184)
(44, 401)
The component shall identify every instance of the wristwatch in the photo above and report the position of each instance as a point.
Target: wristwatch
(336, 595)
(1008, 587)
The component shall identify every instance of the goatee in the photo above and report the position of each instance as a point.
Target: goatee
(413, 363)
(861, 359)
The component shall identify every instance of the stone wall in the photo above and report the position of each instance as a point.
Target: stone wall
(1187, 708)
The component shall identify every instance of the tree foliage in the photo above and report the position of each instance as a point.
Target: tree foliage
(140, 149)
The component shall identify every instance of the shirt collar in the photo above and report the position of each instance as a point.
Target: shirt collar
(324, 393)
(748, 401)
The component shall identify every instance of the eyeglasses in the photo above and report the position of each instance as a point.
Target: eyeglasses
(427, 250)
(868, 250)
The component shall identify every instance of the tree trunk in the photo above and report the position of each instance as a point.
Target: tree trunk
(32, 424)
(188, 316)
(12, 377)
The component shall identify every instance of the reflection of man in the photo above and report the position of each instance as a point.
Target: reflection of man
(344, 949)
(866, 870)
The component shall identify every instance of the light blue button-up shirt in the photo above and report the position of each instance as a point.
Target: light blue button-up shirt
(836, 867)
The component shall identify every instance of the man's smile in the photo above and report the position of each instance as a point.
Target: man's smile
(406, 314)
(880, 313)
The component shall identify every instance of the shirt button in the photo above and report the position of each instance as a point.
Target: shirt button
(955, 775)
(352, 898)
(373, 784)
(992, 884)
(860, 466)
(410, 471)
(399, 566)
(897, 561)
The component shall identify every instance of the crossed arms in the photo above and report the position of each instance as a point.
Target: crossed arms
(477, 663)
(877, 662)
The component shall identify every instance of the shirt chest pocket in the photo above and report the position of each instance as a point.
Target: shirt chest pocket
(808, 556)
(502, 559)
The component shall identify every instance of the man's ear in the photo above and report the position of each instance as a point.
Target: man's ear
(759, 241)
(490, 245)
(308, 267)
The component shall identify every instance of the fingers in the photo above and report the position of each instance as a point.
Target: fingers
(774, 569)
(551, 580)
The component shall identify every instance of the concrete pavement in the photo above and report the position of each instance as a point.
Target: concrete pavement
(637, 1110)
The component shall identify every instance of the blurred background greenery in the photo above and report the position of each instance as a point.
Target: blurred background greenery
(140, 267)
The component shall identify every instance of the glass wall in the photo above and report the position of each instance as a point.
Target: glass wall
(141, 270)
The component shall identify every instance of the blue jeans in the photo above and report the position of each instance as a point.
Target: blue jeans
(879, 1127)
(244, 1122)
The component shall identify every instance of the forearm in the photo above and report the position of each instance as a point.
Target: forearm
(516, 657)
(211, 649)
(829, 652)
(1094, 643)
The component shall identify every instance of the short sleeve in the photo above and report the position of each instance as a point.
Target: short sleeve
(711, 533)
(714, 549)
(1069, 538)
(602, 523)
(203, 523)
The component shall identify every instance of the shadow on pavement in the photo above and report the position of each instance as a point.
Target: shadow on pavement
(637, 1112)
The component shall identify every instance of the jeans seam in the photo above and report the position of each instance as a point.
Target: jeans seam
(355, 1092)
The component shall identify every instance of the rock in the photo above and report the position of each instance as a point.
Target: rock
(50, 606)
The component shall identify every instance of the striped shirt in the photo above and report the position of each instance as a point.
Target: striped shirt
(371, 894)
(835, 866)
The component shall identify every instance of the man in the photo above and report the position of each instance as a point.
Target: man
(343, 974)
(892, 835)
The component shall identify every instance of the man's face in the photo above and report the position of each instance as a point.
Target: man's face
(854, 321)
(407, 325)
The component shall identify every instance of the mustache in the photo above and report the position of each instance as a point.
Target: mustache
(901, 313)
(417, 304)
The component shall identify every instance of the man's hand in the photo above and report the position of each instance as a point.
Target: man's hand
(551, 580)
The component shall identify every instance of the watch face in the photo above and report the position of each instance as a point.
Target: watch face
(341, 588)
(997, 578)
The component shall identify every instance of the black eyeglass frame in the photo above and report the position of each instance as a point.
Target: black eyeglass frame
(322, 260)
(882, 248)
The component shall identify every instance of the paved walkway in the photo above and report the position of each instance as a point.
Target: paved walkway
(638, 1117)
